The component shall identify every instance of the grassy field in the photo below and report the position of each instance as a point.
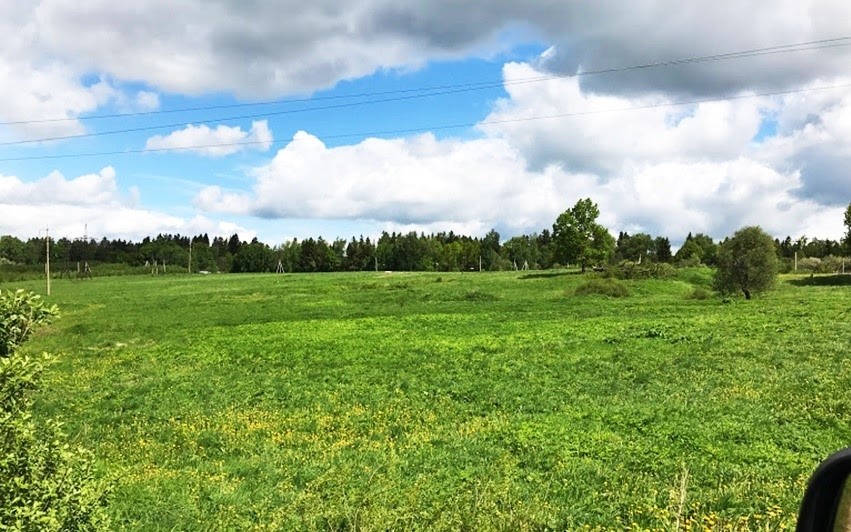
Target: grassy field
(449, 401)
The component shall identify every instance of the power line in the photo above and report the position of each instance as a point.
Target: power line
(433, 127)
(428, 91)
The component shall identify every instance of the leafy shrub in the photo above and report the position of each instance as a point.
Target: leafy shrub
(809, 264)
(45, 484)
(699, 293)
(648, 270)
(605, 287)
(700, 276)
(690, 262)
(829, 264)
(20, 313)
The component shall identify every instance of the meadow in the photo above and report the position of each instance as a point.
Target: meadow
(462, 401)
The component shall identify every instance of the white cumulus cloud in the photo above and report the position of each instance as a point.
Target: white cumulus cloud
(89, 189)
(92, 203)
(665, 169)
(268, 47)
(214, 142)
(419, 180)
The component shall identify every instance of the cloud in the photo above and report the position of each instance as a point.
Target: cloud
(420, 180)
(667, 169)
(92, 204)
(147, 101)
(50, 50)
(660, 168)
(615, 34)
(35, 85)
(268, 47)
(814, 136)
(218, 142)
(89, 189)
(604, 132)
(422, 183)
(715, 198)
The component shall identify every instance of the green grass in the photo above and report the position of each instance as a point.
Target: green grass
(482, 401)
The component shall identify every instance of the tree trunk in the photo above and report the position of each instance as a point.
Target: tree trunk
(747, 293)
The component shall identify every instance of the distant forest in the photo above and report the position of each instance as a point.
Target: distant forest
(392, 251)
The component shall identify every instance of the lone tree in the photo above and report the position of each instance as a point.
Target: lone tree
(579, 238)
(746, 262)
(847, 239)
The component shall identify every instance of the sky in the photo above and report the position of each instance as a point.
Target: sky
(279, 119)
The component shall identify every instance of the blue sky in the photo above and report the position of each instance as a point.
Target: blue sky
(362, 165)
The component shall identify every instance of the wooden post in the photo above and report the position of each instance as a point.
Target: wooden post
(796, 261)
(47, 261)
(189, 269)
(376, 263)
(480, 263)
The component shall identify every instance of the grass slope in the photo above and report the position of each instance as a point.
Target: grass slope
(450, 401)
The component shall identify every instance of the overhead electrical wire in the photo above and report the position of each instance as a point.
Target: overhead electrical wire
(425, 92)
(432, 127)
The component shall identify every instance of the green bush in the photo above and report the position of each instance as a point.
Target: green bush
(699, 293)
(605, 287)
(648, 270)
(45, 484)
(809, 264)
(20, 313)
(700, 276)
(829, 264)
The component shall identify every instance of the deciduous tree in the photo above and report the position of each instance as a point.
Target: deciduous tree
(847, 239)
(579, 238)
(746, 262)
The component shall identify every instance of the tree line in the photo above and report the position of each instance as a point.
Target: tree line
(576, 239)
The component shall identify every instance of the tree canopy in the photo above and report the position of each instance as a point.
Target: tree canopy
(848, 229)
(746, 262)
(579, 238)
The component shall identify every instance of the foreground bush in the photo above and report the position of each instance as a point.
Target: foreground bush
(603, 287)
(45, 484)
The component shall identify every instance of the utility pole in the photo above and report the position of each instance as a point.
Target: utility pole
(47, 260)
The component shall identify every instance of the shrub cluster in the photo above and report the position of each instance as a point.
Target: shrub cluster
(699, 293)
(648, 270)
(829, 264)
(45, 484)
(605, 287)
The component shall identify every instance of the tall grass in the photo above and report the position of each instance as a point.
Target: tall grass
(481, 402)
